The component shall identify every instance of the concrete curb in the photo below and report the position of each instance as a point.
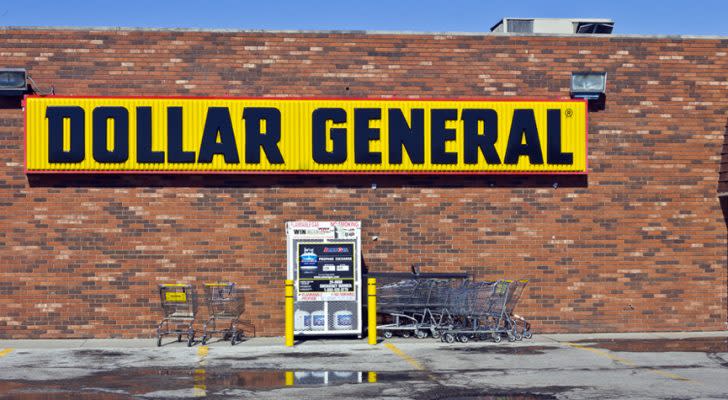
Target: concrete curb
(255, 343)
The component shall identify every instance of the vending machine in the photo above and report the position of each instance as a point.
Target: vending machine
(324, 263)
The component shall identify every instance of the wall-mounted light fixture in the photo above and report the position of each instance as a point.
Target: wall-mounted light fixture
(588, 85)
(591, 86)
(13, 82)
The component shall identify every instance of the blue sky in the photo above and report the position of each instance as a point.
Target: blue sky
(697, 17)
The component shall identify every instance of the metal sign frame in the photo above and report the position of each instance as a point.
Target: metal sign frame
(336, 234)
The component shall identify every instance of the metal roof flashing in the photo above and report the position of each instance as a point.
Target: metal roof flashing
(354, 32)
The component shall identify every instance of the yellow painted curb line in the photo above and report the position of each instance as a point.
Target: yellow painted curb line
(401, 354)
(627, 362)
(5, 352)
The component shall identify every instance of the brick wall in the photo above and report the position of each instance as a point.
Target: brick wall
(637, 245)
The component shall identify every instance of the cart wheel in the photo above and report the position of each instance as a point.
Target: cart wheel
(497, 337)
(387, 334)
(421, 334)
(436, 334)
(405, 334)
(159, 340)
(527, 335)
(511, 337)
(179, 338)
(448, 337)
(191, 340)
(518, 336)
(204, 340)
(463, 338)
(233, 338)
(239, 337)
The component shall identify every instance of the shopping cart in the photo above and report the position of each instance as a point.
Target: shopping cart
(394, 300)
(180, 307)
(435, 315)
(479, 311)
(450, 308)
(514, 320)
(224, 302)
(415, 307)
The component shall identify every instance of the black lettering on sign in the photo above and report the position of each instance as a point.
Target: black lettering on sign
(440, 135)
(218, 124)
(523, 125)
(255, 139)
(338, 136)
(145, 154)
(474, 139)
(120, 118)
(363, 134)
(76, 152)
(412, 138)
(554, 155)
(175, 152)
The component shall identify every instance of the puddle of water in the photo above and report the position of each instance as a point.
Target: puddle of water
(701, 345)
(99, 353)
(135, 382)
(43, 395)
(138, 382)
(515, 350)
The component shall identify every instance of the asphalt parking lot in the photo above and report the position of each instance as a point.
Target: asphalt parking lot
(664, 366)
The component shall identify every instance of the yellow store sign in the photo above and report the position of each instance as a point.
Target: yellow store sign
(262, 135)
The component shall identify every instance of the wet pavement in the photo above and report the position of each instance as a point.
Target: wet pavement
(224, 383)
(546, 367)
(180, 382)
(699, 345)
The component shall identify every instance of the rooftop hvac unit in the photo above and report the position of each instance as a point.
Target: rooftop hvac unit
(595, 27)
(519, 25)
(554, 25)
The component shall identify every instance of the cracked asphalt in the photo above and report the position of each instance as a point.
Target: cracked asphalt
(605, 366)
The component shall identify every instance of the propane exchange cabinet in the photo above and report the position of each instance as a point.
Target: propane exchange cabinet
(323, 262)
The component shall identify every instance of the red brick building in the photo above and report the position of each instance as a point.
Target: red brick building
(637, 244)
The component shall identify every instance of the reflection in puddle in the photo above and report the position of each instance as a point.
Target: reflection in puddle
(330, 377)
(702, 345)
(221, 383)
(119, 384)
(43, 395)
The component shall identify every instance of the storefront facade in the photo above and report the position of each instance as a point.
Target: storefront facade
(635, 243)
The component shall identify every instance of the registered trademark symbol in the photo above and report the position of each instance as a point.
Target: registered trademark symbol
(569, 112)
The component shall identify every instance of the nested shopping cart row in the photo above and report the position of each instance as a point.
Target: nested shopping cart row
(452, 309)
(224, 302)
